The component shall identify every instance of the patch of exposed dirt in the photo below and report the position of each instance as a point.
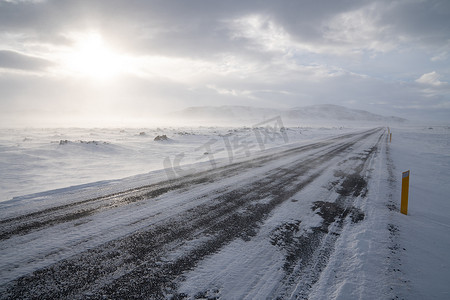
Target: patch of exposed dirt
(352, 184)
(284, 234)
(330, 211)
(297, 244)
(300, 244)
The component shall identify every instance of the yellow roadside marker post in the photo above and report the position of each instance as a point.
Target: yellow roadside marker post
(405, 190)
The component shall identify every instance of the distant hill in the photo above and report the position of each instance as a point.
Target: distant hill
(336, 112)
(322, 112)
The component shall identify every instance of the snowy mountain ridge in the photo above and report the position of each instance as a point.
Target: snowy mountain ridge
(314, 112)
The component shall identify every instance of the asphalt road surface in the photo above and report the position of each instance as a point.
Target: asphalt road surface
(263, 228)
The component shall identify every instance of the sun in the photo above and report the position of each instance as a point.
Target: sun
(92, 58)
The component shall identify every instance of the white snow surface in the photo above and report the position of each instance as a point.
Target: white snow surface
(412, 258)
(425, 232)
(385, 255)
(37, 160)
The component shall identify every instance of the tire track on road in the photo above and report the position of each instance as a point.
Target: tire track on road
(27, 223)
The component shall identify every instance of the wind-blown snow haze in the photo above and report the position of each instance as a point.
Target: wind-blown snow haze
(125, 63)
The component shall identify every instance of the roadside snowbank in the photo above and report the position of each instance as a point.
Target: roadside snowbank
(390, 255)
(425, 231)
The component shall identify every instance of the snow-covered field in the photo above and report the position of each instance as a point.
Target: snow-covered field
(423, 235)
(37, 160)
(362, 247)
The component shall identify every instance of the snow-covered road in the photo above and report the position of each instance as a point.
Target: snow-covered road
(262, 228)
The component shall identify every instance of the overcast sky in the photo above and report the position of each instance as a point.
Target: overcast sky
(83, 62)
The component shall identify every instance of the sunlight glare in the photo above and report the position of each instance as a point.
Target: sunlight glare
(92, 58)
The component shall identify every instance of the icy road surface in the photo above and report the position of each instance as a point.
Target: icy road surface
(263, 228)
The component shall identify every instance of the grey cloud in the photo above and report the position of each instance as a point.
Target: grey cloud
(197, 28)
(426, 23)
(203, 30)
(16, 60)
(172, 24)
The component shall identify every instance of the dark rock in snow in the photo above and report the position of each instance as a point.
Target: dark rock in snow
(161, 138)
(65, 142)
